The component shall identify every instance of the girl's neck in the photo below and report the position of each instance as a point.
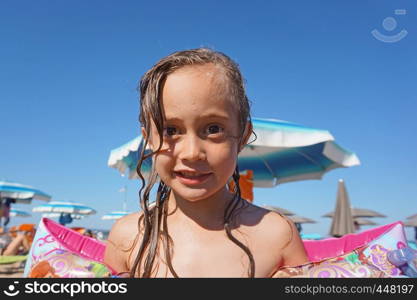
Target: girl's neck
(207, 213)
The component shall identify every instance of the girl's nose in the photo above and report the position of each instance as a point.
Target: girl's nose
(192, 149)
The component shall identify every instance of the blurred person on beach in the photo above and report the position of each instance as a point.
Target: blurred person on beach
(5, 211)
(84, 231)
(65, 218)
(195, 116)
(15, 241)
(356, 226)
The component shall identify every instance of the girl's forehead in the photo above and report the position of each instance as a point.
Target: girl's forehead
(208, 69)
(196, 81)
(196, 92)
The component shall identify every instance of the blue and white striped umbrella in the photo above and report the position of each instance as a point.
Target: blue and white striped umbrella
(64, 207)
(282, 152)
(21, 193)
(18, 213)
(125, 158)
(115, 215)
(57, 215)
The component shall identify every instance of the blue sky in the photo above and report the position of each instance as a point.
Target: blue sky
(69, 72)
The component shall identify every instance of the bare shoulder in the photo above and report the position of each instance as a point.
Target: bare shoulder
(277, 233)
(125, 228)
(268, 225)
(122, 238)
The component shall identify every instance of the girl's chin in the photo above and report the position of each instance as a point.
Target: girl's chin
(194, 194)
(193, 197)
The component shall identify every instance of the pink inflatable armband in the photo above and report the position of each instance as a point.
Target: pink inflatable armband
(405, 259)
(58, 251)
(364, 254)
(327, 248)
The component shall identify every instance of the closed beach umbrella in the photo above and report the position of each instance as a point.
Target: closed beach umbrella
(21, 193)
(280, 210)
(114, 215)
(342, 222)
(281, 152)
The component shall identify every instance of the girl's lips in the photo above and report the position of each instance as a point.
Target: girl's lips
(192, 180)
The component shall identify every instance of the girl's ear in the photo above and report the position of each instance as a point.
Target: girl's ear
(143, 133)
(145, 137)
(246, 135)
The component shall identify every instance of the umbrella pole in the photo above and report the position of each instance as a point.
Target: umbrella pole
(124, 202)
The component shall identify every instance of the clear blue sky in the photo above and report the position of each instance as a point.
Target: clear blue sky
(69, 72)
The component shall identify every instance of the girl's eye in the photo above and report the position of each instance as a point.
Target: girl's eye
(214, 129)
(170, 131)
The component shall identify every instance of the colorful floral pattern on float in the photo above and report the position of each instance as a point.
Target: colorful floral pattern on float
(351, 265)
(405, 259)
(58, 251)
(355, 255)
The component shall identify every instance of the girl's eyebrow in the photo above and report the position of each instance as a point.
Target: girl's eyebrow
(203, 116)
(215, 115)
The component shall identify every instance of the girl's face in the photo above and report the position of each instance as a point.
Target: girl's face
(200, 138)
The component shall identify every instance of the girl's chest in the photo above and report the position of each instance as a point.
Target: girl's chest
(213, 255)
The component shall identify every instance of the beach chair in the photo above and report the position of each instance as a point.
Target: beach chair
(12, 265)
(14, 255)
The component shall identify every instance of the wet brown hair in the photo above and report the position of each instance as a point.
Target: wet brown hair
(153, 221)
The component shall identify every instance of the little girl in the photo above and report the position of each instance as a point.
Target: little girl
(195, 118)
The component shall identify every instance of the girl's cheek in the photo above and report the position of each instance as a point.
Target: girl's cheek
(223, 155)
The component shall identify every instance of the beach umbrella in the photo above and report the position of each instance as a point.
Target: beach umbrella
(363, 212)
(21, 193)
(115, 215)
(281, 152)
(66, 211)
(18, 213)
(301, 220)
(118, 214)
(298, 221)
(280, 210)
(363, 221)
(360, 212)
(65, 207)
(342, 222)
(411, 222)
(412, 216)
(57, 215)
